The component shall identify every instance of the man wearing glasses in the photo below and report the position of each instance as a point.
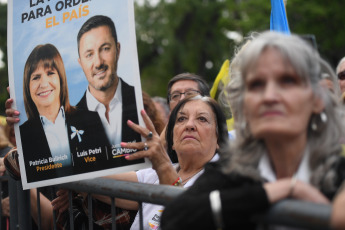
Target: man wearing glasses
(185, 85)
(341, 74)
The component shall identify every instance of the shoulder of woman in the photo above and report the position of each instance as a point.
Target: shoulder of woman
(28, 124)
(213, 177)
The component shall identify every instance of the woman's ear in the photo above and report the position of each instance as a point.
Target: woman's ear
(319, 106)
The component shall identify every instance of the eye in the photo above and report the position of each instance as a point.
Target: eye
(175, 96)
(289, 80)
(88, 55)
(181, 119)
(202, 119)
(51, 72)
(255, 84)
(191, 92)
(106, 48)
(35, 77)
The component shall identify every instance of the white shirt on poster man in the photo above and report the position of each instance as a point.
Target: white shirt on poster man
(113, 128)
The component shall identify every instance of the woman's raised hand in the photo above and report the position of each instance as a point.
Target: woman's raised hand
(11, 114)
(151, 148)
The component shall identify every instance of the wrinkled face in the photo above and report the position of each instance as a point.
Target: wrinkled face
(277, 102)
(182, 86)
(98, 56)
(342, 81)
(45, 88)
(195, 130)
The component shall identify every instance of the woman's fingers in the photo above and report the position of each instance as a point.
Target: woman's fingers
(140, 146)
(148, 123)
(11, 114)
(61, 203)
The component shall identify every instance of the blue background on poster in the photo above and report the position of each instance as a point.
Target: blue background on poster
(27, 35)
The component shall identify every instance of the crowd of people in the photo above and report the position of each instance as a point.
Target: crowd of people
(288, 142)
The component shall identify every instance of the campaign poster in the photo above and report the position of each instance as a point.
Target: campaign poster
(74, 77)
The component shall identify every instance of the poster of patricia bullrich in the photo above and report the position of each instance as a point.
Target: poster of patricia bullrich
(74, 77)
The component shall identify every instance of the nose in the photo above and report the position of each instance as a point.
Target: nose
(271, 92)
(98, 61)
(190, 125)
(183, 95)
(44, 81)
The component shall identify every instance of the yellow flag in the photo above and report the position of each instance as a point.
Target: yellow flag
(221, 81)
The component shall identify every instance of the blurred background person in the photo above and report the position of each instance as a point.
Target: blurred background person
(162, 107)
(153, 113)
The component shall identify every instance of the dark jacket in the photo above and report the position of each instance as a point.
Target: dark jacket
(35, 146)
(242, 199)
(129, 112)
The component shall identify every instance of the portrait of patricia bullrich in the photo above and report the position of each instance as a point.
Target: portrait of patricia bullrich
(56, 135)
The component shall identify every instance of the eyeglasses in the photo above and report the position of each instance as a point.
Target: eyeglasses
(341, 75)
(176, 96)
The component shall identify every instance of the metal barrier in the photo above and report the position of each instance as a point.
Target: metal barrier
(288, 212)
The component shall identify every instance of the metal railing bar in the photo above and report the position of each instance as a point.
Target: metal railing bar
(156, 194)
(38, 203)
(12, 191)
(24, 210)
(70, 198)
(1, 203)
(89, 205)
(141, 218)
(292, 213)
(113, 214)
(296, 213)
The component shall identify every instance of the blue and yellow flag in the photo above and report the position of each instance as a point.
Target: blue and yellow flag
(279, 20)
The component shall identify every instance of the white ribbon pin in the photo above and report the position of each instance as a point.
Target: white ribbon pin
(76, 132)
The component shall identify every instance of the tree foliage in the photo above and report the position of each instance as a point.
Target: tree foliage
(184, 35)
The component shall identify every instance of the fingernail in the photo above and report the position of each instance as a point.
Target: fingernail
(16, 113)
(129, 122)
(143, 112)
(127, 157)
(123, 144)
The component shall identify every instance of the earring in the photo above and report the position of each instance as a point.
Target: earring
(323, 117)
(313, 125)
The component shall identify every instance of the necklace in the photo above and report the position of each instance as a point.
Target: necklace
(188, 178)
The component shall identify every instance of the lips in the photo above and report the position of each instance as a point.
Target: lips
(188, 137)
(270, 113)
(101, 72)
(45, 93)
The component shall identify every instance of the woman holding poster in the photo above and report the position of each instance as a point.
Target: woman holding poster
(57, 139)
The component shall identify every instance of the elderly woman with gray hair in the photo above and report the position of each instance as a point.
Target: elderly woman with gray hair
(287, 146)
